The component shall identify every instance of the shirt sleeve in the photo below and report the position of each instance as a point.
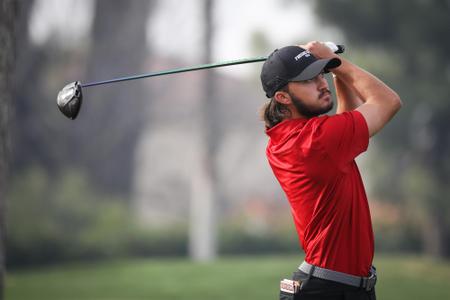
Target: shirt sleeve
(344, 136)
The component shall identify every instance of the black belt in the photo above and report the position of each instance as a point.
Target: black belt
(367, 283)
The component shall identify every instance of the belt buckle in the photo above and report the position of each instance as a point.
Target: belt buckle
(370, 282)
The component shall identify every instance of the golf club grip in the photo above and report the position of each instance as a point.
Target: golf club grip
(341, 49)
(338, 49)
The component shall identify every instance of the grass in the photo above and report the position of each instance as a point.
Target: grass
(228, 278)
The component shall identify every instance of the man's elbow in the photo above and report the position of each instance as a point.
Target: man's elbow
(396, 102)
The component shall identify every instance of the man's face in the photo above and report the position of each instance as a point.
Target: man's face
(311, 97)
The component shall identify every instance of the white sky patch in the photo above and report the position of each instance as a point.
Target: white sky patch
(281, 23)
(67, 20)
(176, 28)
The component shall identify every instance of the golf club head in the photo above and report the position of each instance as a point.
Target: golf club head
(69, 100)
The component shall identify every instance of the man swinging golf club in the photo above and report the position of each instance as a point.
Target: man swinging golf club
(313, 157)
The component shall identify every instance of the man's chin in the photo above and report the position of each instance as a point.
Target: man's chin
(327, 109)
(310, 112)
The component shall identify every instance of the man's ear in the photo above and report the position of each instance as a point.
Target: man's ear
(282, 97)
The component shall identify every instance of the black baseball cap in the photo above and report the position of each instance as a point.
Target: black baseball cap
(292, 63)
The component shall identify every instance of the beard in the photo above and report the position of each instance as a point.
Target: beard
(309, 111)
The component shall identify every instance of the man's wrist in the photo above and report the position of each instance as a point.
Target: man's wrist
(342, 69)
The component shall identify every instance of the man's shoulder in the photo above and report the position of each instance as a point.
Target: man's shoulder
(329, 128)
(333, 121)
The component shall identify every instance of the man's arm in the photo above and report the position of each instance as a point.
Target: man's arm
(381, 103)
(347, 99)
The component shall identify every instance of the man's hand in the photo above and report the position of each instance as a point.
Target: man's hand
(319, 50)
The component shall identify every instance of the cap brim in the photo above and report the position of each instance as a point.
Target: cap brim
(316, 68)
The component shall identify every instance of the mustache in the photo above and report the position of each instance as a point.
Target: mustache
(324, 92)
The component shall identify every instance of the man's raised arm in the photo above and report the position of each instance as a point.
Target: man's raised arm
(381, 103)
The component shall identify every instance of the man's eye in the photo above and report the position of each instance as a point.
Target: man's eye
(320, 76)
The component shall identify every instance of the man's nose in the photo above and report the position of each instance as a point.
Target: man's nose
(321, 82)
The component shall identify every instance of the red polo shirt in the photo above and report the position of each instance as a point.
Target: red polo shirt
(313, 160)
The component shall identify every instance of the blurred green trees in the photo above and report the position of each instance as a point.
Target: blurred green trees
(63, 219)
(410, 39)
(52, 219)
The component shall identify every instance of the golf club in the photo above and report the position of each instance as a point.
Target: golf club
(70, 98)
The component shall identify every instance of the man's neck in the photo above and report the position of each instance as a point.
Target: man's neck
(296, 115)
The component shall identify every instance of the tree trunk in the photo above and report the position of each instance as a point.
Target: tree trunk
(7, 50)
(112, 116)
(203, 227)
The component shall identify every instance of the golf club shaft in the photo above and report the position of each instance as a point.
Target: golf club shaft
(331, 45)
(180, 70)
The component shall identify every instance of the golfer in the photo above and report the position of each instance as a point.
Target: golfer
(313, 157)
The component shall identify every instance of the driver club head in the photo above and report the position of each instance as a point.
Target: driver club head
(69, 100)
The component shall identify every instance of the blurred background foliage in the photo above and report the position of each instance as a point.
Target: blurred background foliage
(71, 189)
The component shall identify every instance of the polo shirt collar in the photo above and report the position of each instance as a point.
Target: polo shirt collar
(283, 129)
